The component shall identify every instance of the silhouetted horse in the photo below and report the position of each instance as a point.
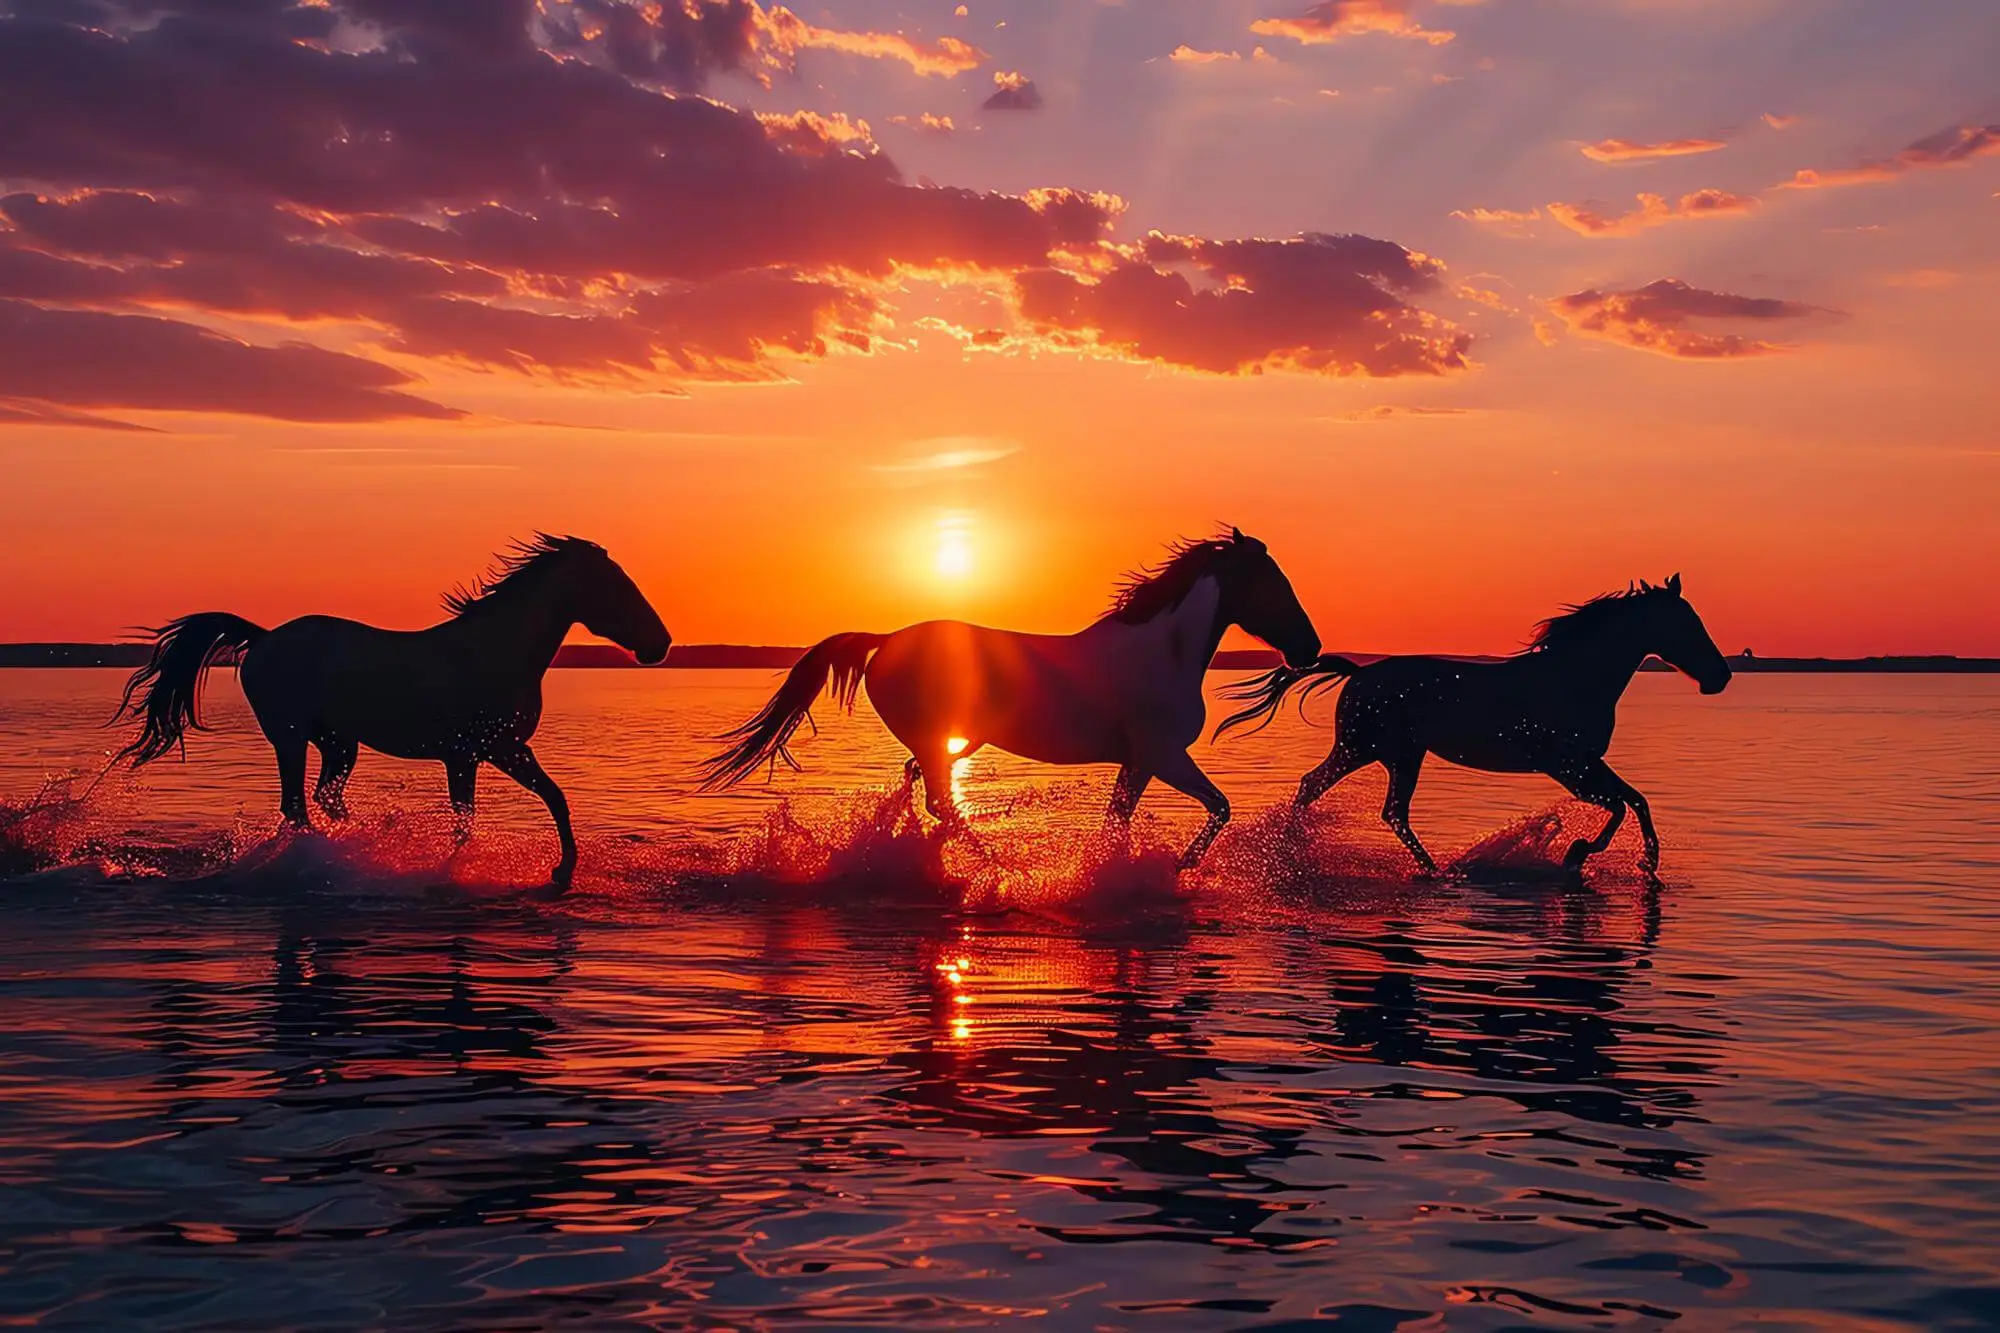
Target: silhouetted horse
(1549, 709)
(463, 692)
(1125, 691)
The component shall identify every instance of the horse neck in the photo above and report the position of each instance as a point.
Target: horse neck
(530, 624)
(1189, 633)
(1599, 668)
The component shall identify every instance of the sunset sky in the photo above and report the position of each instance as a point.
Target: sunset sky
(858, 314)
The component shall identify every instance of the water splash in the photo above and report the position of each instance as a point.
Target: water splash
(1529, 849)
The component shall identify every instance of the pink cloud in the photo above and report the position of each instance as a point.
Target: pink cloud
(1625, 150)
(1330, 305)
(508, 187)
(1653, 210)
(1671, 318)
(1953, 146)
(1332, 20)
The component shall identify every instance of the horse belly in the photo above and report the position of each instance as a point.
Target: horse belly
(394, 693)
(993, 689)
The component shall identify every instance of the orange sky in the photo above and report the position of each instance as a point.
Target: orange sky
(1802, 422)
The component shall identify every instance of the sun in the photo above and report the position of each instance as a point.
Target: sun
(951, 553)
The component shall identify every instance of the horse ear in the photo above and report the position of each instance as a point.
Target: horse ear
(1235, 534)
(1674, 585)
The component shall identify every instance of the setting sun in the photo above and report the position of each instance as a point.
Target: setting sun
(951, 557)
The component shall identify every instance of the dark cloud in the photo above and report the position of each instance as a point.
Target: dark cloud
(91, 359)
(1674, 319)
(1949, 147)
(1013, 92)
(515, 186)
(1332, 305)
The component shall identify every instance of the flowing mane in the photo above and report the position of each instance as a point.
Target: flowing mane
(513, 567)
(1587, 620)
(1156, 589)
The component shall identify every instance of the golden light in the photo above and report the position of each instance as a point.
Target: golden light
(956, 745)
(951, 555)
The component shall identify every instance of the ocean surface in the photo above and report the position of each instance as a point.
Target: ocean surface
(783, 1059)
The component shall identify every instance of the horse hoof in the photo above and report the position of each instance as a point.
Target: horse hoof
(1579, 852)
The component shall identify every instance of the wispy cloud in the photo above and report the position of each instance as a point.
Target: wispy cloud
(949, 454)
(1653, 210)
(1953, 146)
(1626, 150)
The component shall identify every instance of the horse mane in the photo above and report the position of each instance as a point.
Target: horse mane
(512, 567)
(1584, 620)
(1160, 588)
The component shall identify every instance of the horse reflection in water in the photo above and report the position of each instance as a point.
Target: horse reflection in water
(464, 692)
(1550, 709)
(1125, 691)
(1156, 1055)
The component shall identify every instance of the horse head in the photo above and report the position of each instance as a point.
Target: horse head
(610, 605)
(1675, 635)
(1258, 598)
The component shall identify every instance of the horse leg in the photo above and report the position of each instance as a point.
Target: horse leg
(461, 777)
(1403, 771)
(1594, 781)
(1126, 793)
(1339, 762)
(291, 751)
(935, 766)
(1180, 772)
(521, 765)
(336, 763)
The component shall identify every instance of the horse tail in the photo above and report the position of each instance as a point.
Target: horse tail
(837, 664)
(165, 694)
(1262, 694)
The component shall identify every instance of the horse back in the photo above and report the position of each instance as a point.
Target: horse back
(1054, 698)
(412, 693)
(1504, 716)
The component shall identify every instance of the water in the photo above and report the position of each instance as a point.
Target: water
(781, 1060)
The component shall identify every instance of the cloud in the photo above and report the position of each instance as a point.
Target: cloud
(1187, 55)
(1625, 150)
(1653, 210)
(951, 454)
(1778, 122)
(1328, 305)
(518, 188)
(1513, 222)
(1334, 19)
(941, 56)
(1952, 146)
(1013, 92)
(926, 123)
(27, 412)
(90, 359)
(1674, 319)
(1392, 411)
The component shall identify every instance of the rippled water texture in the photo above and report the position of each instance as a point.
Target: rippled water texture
(783, 1060)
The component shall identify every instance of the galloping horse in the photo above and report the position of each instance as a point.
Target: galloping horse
(1548, 709)
(464, 692)
(1125, 691)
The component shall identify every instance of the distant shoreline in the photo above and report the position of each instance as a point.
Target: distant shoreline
(733, 656)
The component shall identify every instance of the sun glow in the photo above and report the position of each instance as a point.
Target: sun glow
(956, 745)
(952, 556)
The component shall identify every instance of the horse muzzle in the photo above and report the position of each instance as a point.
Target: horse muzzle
(654, 654)
(1717, 684)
